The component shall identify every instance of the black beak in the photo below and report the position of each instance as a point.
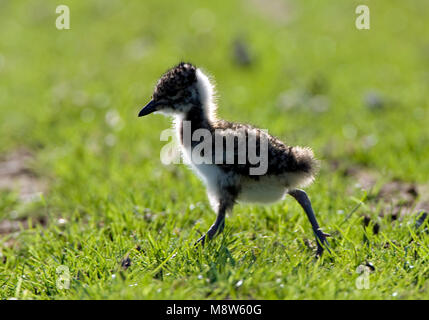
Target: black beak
(148, 109)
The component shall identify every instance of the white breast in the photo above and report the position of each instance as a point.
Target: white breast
(264, 190)
(208, 173)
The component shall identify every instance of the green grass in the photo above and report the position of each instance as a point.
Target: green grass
(60, 90)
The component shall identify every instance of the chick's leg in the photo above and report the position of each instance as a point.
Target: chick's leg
(305, 203)
(218, 225)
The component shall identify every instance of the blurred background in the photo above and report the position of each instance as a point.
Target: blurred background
(69, 99)
(302, 70)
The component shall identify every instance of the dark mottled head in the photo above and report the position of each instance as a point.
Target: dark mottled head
(179, 90)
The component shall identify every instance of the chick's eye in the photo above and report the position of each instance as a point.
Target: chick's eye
(171, 92)
(176, 95)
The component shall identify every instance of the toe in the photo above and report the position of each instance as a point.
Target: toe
(200, 241)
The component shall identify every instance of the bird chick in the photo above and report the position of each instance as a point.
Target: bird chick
(226, 162)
